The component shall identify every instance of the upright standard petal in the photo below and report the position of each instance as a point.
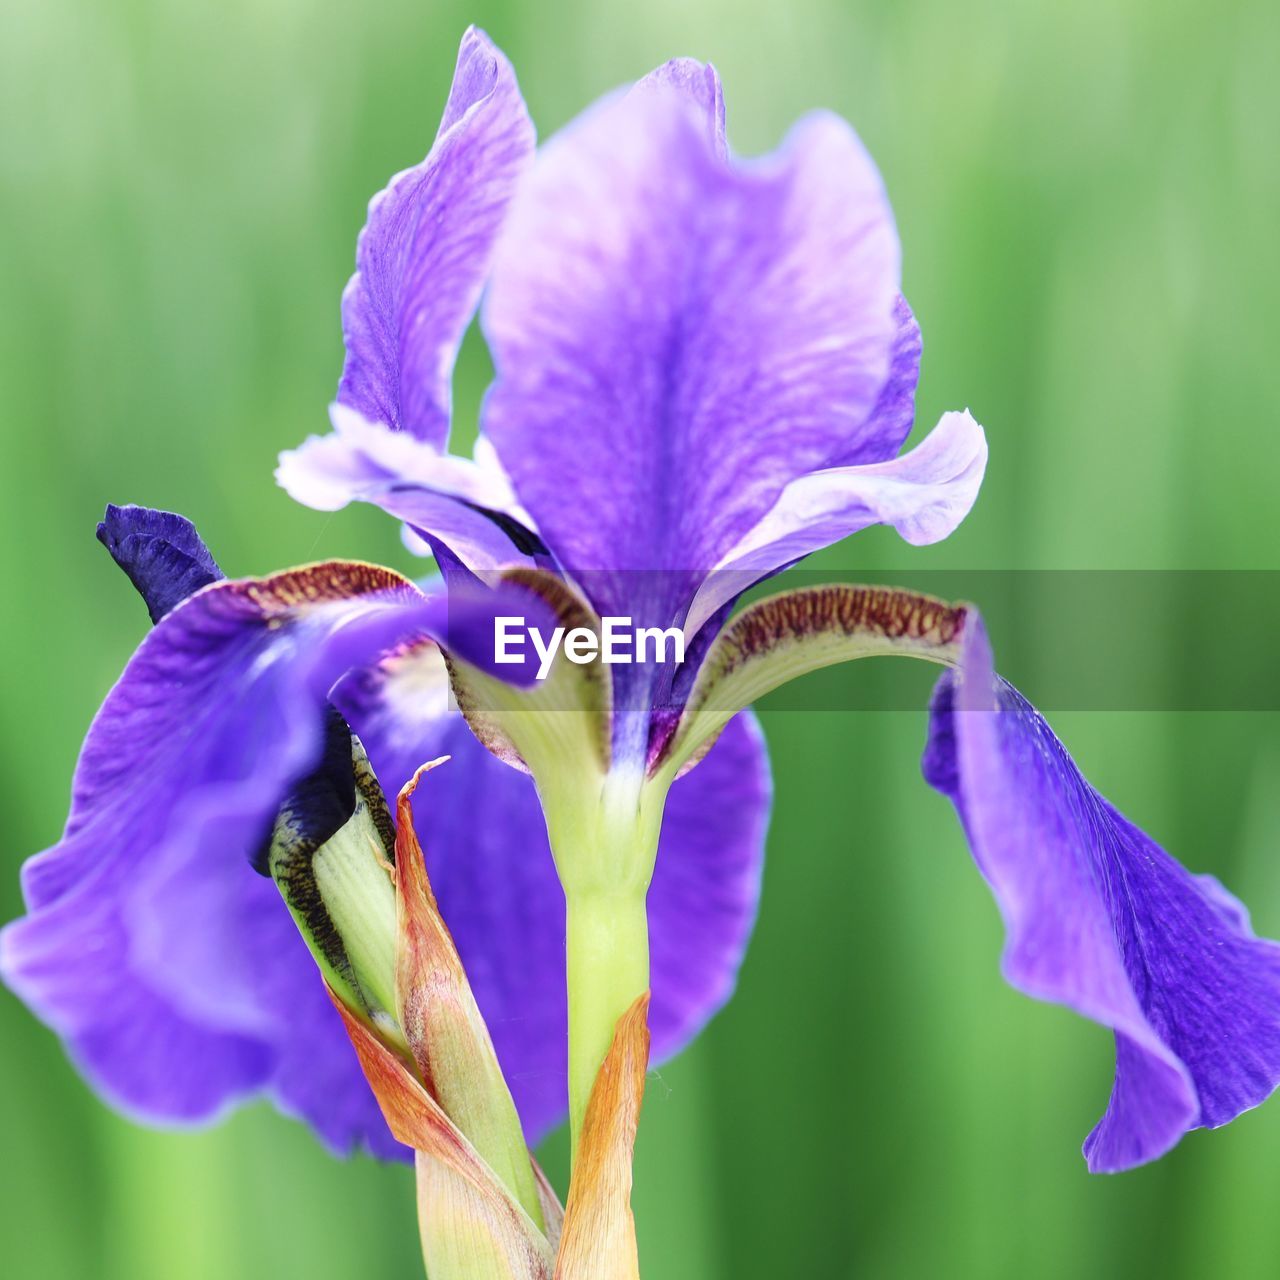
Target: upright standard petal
(493, 875)
(1103, 920)
(889, 425)
(218, 713)
(422, 256)
(700, 83)
(678, 336)
(421, 262)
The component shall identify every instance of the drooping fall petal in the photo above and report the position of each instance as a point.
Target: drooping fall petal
(220, 714)
(1100, 918)
(217, 714)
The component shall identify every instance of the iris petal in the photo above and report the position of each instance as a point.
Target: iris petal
(924, 495)
(678, 336)
(421, 262)
(171, 970)
(162, 554)
(889, 425)
(1100, 918)
(464, 506)
(422, 255)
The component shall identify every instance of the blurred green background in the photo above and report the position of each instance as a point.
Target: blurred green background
(1088, 197)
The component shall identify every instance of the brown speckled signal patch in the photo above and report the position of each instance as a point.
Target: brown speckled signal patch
(795, 632)
(320, 583)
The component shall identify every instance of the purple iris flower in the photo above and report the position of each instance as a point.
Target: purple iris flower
(705, 367)
(705, 371)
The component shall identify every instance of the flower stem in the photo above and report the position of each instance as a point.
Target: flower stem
(604, 836)
(608, 967)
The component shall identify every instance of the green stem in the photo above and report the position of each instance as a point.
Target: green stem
(608, 968)
(604, 834)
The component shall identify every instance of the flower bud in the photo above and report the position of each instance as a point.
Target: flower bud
(331, 853)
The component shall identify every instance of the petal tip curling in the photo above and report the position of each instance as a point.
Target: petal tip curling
(160, 551)
(699, 83)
